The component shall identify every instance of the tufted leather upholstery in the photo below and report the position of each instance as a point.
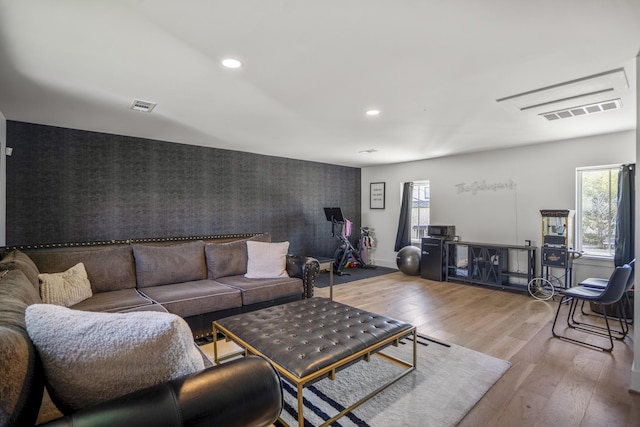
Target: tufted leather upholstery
(308, 335)
(244, 392)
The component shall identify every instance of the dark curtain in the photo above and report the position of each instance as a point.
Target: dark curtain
(625, 217)
(403, 238)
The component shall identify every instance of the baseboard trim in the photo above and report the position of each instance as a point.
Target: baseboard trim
(635, 379)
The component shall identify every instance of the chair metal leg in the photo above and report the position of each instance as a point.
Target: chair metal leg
(619, 334)
(626, 319)
(573, 303)
(628, 303)
(629, 321)
(613, 293)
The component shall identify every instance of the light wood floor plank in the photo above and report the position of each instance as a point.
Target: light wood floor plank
(550, 382)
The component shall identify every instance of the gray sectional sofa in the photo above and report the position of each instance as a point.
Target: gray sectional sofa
(240, 393)
(200, 280)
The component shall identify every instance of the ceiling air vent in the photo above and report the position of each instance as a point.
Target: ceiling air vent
(144, 106)
(612, 104)
(590, 90)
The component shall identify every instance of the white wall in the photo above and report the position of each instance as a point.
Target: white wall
(534, 177)
(544, 178)
(3, 180)
(635, 368)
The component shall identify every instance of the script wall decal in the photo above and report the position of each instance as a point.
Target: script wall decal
(482, 185)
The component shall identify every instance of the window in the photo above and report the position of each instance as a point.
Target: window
(420, 202)
(597, 193)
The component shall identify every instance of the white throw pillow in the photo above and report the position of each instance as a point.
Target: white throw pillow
(92, 357)
(266, 260)
(67, 288)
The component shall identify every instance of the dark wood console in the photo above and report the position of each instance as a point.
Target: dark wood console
(496, 265)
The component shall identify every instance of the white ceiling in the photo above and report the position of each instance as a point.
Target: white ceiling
(434, 68)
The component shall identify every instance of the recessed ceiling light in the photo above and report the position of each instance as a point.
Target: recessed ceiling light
(231, 63)
(372, 112)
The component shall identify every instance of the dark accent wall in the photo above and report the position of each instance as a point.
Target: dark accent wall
(66, 185)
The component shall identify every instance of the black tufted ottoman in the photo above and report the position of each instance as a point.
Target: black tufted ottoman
(312, 339)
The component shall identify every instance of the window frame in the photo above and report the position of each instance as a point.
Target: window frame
(420, 183)
(579, 215)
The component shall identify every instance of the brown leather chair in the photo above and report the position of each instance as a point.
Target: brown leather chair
(244, 392)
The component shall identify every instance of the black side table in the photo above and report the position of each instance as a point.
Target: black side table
(330, 261)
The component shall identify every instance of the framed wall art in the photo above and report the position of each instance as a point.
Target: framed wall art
(376, 200)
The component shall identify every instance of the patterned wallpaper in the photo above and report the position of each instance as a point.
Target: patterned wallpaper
(66, 185)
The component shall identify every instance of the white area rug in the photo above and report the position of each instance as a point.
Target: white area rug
(449, 381)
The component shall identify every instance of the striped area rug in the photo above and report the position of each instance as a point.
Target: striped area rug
(448, 382)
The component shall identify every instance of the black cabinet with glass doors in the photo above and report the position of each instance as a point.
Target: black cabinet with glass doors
(495, 265)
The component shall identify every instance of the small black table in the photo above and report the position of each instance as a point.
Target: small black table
(330, 261)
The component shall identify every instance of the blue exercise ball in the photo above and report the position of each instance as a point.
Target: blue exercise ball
(408, 260)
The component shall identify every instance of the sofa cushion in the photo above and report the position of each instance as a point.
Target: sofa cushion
(22, 384)
(195, 297)
(131, 351)
(114, 301)
(15, 296)
(67, 288)
(17, 358)
(150, 307)
(108, 269)
(262, 290)
(17, 260)
(230, 259)
(267, 260)
(162, 265)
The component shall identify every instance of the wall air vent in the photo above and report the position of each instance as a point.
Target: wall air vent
(612, 104)
(144, 106)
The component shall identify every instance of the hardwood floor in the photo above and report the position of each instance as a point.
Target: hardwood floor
(550, 383)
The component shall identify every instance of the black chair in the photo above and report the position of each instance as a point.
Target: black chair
(621, 306)
(611, 294)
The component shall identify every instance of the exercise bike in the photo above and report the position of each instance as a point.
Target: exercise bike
(346, 255)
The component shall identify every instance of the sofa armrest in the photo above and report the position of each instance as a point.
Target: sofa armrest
(305, 268)
(239, 393)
